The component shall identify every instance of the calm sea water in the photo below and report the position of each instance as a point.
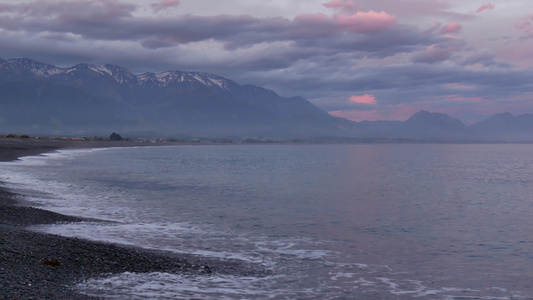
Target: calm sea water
(394, 221)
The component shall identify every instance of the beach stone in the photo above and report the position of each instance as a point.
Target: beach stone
(23, 253)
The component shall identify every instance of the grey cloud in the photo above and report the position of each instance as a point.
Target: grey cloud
(412, 83)
(294, 57)
(485, 58)
(70, 11)
(434, 55)
(112, 25)
(113, 20)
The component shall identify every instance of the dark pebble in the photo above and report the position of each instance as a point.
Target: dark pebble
(36, 265)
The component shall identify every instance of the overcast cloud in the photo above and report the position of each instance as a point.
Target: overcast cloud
(360, 59)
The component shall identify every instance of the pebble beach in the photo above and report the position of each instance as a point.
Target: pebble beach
(36, 265)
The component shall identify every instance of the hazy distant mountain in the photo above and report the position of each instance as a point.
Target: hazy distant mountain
(437, 121)
(427, 125)
(423, 125)
(505, 127)
(379, 130)
(38, 98)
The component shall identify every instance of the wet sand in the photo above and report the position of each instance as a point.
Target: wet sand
(36, 265)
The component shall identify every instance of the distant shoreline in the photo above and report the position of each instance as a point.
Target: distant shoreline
(15, 148)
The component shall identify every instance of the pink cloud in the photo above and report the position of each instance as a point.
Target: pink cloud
(361, 22)
(451, 28)
(165, 4)
(365, 22)
(344, 6)
(485, 7)
(526, 24)
(364, 99)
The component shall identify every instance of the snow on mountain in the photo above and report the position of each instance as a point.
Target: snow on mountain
(100, 69)
(36, 68)
(119, 74)
(169, 77)
(160, 79)
(221, 83)
(47, 72)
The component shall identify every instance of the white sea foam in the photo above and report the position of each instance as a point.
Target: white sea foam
(367, 279)
(174, 286)
(68, 198)
(45, 158)
(288, 286)
(278, 254)
(286, 257)
(31, 176)
(188, 238)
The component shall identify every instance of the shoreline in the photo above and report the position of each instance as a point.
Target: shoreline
(35, 265)
(12, 149)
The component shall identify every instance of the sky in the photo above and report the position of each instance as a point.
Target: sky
(358, 59)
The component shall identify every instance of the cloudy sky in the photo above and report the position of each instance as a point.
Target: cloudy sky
(360, 59)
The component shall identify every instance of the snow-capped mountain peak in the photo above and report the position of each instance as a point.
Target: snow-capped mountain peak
(117, 73)
(170, 77)
(35, 68)
(100, 69)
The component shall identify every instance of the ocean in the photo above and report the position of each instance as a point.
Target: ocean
(363, 221)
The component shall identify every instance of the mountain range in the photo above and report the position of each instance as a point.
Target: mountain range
(95, 99)
(439, 127)
(88, 99)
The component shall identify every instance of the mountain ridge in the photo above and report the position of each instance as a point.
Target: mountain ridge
(166, 103)
(85, 99)
(431, 126)
(119, 74)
